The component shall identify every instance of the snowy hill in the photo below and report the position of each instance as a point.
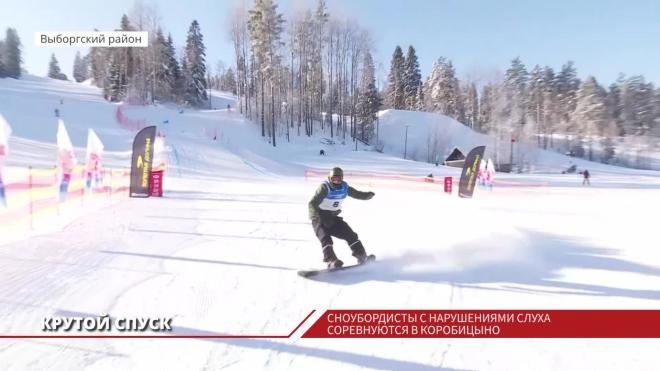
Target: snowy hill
(219, 252)
(433, 136)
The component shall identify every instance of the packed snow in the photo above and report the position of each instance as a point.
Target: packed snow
(219, 252)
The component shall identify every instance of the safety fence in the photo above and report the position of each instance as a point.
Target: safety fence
(389, 180)
(33, 194)
(126, 122)
(420, 182)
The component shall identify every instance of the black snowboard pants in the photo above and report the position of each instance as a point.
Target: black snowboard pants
(336, 227)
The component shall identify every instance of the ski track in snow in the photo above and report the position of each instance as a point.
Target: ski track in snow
(219, 252)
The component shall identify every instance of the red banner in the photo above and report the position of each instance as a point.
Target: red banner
(486, 324)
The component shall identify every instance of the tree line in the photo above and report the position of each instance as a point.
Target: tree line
(307, 73)
(540, 107)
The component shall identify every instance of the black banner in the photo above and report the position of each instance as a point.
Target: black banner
(143, 150)
(470, 171)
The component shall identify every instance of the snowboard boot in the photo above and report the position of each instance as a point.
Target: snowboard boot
(359, 253)
(330, 257)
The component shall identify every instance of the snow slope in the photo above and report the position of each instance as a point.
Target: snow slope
(219, 252)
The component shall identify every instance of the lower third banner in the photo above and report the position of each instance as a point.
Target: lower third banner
(486, 324)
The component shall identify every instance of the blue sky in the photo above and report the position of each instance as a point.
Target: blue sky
(602, 37)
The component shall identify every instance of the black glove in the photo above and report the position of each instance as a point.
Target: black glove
(370, 195)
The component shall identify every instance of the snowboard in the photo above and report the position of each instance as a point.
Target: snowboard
(316, 272)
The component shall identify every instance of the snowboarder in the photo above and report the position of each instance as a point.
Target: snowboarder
(586, 176)
(324, 209)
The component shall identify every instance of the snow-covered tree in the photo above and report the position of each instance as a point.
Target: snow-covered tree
(486, 103)
(54, 70)
(535, 100)
(395, 96)
(442, 89)
(80, 68)
(637, 106)
(369, 100)
(515, 84)
(266, 25)
(470, 101)
(115, 84)
(195, 89)
(551, 107)
(567, 85)
(592, 116)
(412, 80)
(167, 70)
(420, 101)
(228, 81)
(12, 54)
(3, 70)
(615, 104)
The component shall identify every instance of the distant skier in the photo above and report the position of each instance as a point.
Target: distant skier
(585, 177)
(324, 209)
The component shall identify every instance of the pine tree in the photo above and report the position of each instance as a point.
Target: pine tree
(655, 129)
(420, 98)
(12, 52)
(195, 89)
(486, 103)
(369, 101)
(412, 80)
(637, 111)
(471, 104)
(395, 84)
(172, 70)
(54, 71)
(567, 87)
(184, 79)
(80, 68)
(167, 68)
(3, 71)
(115, 85)
(99, 64)
(615, 104)
(592, 117)
(515, 83)
(127, 63)
(551, 109)
(536, 101)
(442, 89)
(228, 81)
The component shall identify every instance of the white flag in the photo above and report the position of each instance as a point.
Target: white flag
(94, 152)
(5, 133)
(94, 144)
(63, 140)
(66, 157)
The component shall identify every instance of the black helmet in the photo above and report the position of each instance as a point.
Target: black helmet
(336, 171)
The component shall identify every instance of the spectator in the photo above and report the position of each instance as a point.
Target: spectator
(586, 176)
